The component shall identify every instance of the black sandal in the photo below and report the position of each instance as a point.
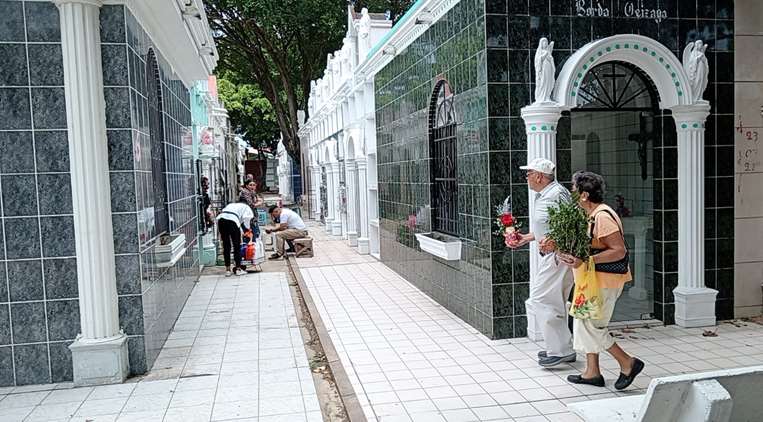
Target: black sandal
(578, 379)
(623, 381)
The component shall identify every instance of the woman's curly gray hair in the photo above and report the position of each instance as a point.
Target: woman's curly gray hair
(591, 183)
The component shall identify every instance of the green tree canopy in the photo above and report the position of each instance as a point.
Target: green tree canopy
(279, 46)
(251, 114)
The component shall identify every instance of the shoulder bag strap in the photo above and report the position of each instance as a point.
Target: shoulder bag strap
(618, 222)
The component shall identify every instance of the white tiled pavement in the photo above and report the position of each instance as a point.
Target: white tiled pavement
(409, 359)
(236, 354)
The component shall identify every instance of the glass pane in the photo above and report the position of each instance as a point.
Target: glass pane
(619, 145)
(616, 85)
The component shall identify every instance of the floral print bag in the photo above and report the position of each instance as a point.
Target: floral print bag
(586, 303)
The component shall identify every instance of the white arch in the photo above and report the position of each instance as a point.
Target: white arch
(662, 66)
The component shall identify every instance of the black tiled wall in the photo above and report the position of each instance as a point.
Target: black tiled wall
(150, 298)
(452, 48)
(39, 313)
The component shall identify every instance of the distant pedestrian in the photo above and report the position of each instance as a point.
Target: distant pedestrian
(248, 193)
(289, 227)
(206, 202)
(233, 218)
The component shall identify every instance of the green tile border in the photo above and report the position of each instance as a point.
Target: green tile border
(601, 52)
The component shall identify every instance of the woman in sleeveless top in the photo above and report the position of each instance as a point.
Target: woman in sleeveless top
(248, 193)
(592, 336)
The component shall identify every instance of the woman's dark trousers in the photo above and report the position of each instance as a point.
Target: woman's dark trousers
(231, 236)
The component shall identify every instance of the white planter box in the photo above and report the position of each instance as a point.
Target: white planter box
(439, 246)
(171, 251)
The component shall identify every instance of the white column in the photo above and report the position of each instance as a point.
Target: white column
(99, 354)
(352, 189)
(329, 197)
(315, 189)
(540, 126)
(362, 165)
(695, 303)
(336, 223)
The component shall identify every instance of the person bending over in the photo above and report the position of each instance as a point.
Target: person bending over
(232, 219)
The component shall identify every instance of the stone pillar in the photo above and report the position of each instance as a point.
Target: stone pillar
(352, 207)
(695, 303)
(363, 246)
(99, 353)
(336, 223)
(540, 126)
(315, 190)
(329, 197)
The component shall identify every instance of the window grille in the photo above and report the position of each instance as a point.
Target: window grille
(442, 152)
(156, 133)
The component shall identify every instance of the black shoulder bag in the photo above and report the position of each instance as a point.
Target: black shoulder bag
(616, 267)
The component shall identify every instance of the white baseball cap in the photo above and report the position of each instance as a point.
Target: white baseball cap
(541, 165)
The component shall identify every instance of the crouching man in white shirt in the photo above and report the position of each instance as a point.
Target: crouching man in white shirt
(290, 226)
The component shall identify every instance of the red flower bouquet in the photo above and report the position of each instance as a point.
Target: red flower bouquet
(508, 227)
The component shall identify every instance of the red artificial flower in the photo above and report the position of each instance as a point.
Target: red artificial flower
(580, 300)
(507, 219)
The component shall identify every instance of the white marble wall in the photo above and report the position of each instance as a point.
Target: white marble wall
(748, 77)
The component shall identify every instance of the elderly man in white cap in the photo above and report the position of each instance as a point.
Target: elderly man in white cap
(553, 282)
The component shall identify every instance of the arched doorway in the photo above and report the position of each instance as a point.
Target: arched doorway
(613, 132)
(680, 292)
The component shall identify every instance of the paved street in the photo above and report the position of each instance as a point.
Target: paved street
(236, 354)
(410, 359)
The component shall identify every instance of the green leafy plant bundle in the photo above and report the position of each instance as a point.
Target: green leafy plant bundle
(568, 228)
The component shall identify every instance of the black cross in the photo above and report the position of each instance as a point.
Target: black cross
(642, 138)
(613, 76)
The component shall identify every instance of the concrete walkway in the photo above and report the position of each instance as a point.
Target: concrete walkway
(236, 353)
(410, 359)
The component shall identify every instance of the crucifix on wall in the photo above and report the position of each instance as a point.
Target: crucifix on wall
(643, 137)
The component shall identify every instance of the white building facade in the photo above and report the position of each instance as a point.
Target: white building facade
(341, 137)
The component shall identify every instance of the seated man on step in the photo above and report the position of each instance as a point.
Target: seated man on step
(290, 226)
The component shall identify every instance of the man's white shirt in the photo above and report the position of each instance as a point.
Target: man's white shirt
(548, 197)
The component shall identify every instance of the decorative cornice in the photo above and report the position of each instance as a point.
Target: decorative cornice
(173, 35)
(405, 31)
(542, 117)
(691, 117)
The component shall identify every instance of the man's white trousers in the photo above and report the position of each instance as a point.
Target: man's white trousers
(548, 304)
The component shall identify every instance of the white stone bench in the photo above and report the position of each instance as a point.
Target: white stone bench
(729, 395)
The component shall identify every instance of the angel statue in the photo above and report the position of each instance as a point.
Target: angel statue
(695, 64)
(364, 28)
(544, 71)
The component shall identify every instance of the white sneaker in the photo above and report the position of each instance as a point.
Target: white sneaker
(228, 273)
